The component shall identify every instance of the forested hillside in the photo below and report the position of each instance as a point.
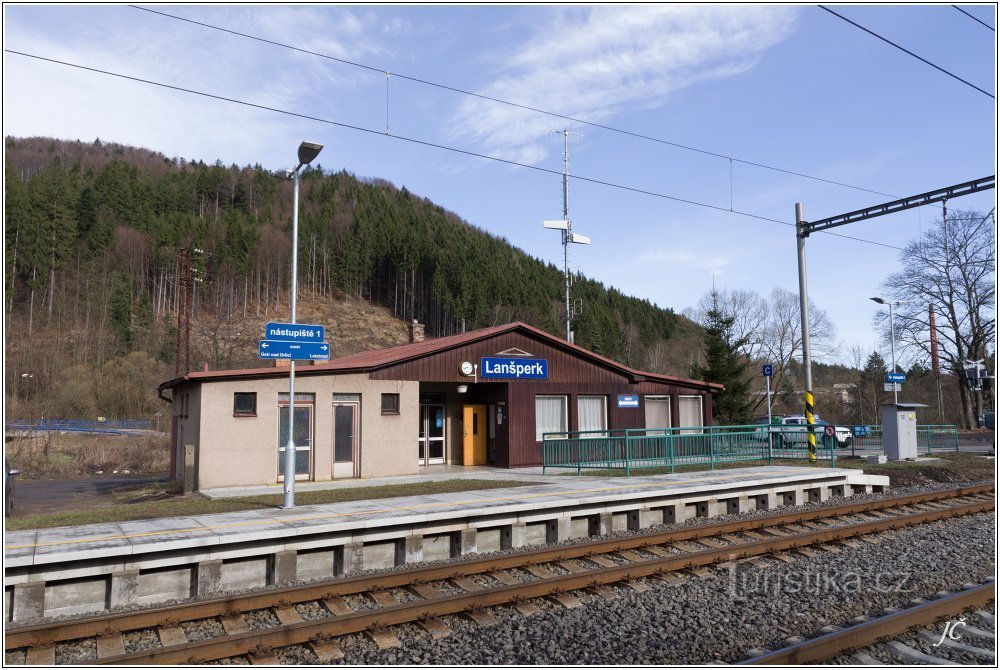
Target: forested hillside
(93, 240)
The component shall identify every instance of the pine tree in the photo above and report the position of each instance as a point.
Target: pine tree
(724, 365)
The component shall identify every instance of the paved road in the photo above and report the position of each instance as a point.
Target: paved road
(42, 497)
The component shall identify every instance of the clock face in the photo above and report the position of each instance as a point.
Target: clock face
(466, 368)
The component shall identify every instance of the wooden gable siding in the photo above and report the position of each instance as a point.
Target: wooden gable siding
(564, 366)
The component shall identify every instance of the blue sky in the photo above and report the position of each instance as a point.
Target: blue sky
(788, 86)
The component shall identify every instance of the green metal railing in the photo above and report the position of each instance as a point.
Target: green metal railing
(643, 448)
(638, 448)
(929, 437)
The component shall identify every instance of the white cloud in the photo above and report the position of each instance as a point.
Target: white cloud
(592, 63)
(53, 100)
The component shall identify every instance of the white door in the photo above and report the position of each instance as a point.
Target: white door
(345, 440)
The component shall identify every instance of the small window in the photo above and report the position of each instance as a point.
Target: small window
(550, 415)
(592, 415)
(690, 413)
(245, 404)
(390, 403)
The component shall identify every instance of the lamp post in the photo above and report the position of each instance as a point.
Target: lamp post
(307, 154)
(892, 341)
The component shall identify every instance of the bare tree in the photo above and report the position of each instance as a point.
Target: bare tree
(772, 330)
(951, 270)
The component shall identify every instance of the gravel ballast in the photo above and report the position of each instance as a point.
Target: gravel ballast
(725, 614)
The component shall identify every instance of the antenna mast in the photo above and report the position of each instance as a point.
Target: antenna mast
(568, 237)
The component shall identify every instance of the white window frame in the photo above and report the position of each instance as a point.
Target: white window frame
(701, 413)
(565, 416)
(604, 415)
(670, 413)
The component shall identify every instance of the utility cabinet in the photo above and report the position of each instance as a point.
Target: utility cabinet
(899, 430)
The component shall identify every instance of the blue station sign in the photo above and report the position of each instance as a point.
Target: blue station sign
(297, 351)
(294, 332)
(628, 401)
(514, 368)
(895, 377)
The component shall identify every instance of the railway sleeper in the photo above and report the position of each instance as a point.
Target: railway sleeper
(909, 655)
(327, 651)
(944, 641)
(384, 639)
(434, 627)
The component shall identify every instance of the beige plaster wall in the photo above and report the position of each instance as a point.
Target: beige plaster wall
(242, 451)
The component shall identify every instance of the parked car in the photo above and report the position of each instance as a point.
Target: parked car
(793, 431)
(8, 486)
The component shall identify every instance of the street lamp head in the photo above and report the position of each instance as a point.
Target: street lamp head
(880, 301)
(308, 152)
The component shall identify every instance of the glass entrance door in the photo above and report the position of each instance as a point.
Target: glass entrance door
(303, 439)
(431, 435)
(345, 440)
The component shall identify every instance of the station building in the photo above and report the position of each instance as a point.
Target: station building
(483, 397)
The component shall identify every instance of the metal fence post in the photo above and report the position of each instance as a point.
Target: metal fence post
(628, 453)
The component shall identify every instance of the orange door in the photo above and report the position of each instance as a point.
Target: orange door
(473, 434)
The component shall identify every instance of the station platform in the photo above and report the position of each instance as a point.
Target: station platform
(57, 571)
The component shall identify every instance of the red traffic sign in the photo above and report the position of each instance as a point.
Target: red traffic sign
(830, 431)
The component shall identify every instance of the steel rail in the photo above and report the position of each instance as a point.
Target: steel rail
(47, 633)
(825, 647)
(310, 631)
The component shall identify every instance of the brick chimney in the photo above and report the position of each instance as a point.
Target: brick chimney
(416, 332)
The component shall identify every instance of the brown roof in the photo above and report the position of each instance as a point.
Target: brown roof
(375, 359)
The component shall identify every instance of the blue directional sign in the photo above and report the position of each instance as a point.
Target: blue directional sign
(298, 351)
(294, 332)
(631, 401)
(895, 377)
(768, 370)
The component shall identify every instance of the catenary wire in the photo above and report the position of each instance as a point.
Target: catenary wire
(509, 103)
(903, 49)
(433, 145)
(974, 18)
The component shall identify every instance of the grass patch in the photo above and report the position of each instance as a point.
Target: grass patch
(52, 455)
(132, 507)
(951, 468)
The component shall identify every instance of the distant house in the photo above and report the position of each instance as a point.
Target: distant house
(482, 397)
(847, 393)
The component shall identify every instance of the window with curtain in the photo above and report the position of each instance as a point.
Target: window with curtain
(657, 413)
(592, 414)
(689, 408)
(550, 415)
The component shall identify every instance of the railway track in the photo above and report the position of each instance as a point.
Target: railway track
(894, 623)
(422, 595)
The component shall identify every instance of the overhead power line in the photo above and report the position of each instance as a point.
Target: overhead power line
(464, 152)
(974, 18)
(508, 102)
(903, 49)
